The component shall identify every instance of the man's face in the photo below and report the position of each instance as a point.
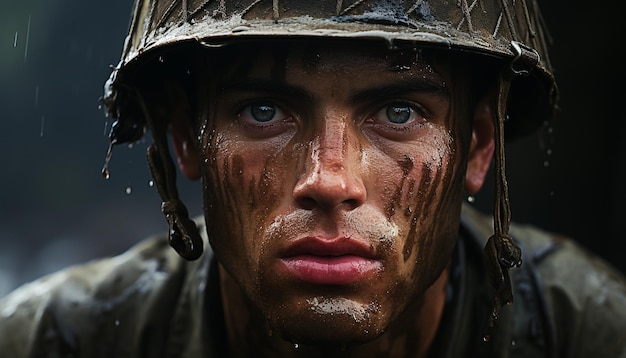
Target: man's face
(333, 183)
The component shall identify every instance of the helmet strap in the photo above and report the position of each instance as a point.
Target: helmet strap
(501, 253)
(184, 235)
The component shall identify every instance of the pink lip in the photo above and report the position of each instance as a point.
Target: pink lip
(338, 261)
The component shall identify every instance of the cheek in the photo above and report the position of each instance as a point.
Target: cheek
(424, 198)
(243, 190)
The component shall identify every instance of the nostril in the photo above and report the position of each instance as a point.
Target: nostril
(352, 204)
(306, 203)
(330, 192)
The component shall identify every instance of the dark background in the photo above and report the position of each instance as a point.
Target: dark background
(56, 209)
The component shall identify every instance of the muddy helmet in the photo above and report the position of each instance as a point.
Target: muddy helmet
(506, 29)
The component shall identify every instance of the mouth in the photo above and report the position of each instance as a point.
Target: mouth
(337, 261)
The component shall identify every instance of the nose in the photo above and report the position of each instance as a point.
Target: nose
(332, 178)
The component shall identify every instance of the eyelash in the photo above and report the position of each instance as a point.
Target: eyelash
(417, 115)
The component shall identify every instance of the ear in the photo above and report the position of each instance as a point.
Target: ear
(482, 145)
(183, 134)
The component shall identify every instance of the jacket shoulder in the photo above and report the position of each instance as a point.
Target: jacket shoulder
(584, 295)
(86, 301)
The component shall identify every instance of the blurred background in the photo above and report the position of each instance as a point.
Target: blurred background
(57, 210)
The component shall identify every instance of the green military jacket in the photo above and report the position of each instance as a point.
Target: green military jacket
(148, 302)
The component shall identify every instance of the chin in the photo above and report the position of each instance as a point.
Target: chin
(337, 327)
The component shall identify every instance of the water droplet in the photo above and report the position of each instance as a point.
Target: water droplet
(513, 343)
(27, 38)
(151, 183)
(15, 40)
(129, 190)
(549, 151)
(470, 199)
(117, 322)
(296, 346)
(546, 164)
(486, 338)
(130, 145)
(105, 167)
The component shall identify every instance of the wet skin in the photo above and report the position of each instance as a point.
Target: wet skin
(332, 188)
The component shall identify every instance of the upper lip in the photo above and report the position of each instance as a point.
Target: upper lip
(338, 246)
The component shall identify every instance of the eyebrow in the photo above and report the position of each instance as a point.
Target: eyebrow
(269, 86)
(398, 88)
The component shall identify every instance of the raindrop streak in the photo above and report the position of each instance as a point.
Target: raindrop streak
(15, 40)
(43, 119)
(27, 38)
(105, 167)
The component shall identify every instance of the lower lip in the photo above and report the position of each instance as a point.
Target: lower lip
(331, 270)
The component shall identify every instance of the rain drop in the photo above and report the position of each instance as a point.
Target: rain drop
(129, 190)
(151, 183)
(296, 346)
(15, 40)
(470, 199)
(27, 37)
(43, 120)
(105, 167)
(546, 164)
(117, 322)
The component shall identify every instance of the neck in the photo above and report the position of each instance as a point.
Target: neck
(411, 335)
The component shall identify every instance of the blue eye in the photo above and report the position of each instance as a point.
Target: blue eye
(398, 113)
(262, 112)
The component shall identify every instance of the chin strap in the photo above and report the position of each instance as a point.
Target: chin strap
(184, 235)
(501, 253)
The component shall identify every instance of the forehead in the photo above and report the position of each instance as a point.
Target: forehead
(276, 59)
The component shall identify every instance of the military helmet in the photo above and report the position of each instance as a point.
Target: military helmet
(510, 30)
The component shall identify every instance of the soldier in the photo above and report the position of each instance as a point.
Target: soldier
(335, 142)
